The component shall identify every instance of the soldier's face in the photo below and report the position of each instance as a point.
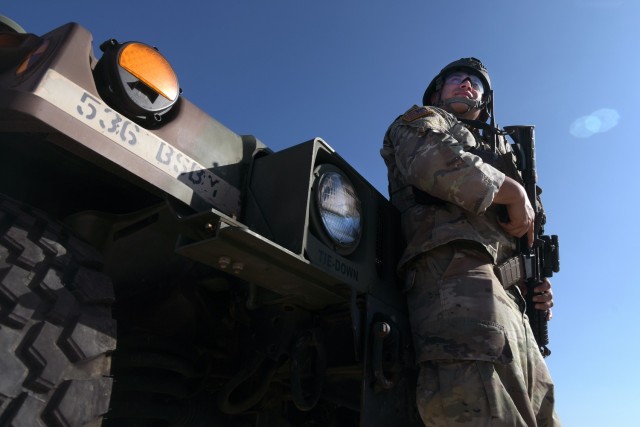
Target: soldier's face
(462, 85)
(466, 80)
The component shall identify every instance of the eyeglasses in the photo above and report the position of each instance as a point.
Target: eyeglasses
(458, 78)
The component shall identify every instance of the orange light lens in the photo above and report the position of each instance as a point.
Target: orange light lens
(33, 57)
(147, 65)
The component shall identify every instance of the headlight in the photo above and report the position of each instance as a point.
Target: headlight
(136, 80)
(338, 207)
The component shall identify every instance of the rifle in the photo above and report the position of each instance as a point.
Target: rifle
(543, 258)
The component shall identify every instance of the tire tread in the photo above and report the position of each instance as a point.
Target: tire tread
(56, 329)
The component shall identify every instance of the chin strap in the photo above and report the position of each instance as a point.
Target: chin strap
(471, 103)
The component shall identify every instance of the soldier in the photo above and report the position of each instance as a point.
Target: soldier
(453, 182)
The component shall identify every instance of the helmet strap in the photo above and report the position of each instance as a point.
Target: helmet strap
(471, 103)
(490, 109)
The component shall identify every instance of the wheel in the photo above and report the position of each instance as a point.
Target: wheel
(56, 329)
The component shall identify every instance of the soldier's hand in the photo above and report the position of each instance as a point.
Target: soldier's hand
(544, 296)
(521, 214)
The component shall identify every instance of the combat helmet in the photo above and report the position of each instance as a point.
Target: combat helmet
(470, 65)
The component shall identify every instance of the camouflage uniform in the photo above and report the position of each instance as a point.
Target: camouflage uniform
(479, 361)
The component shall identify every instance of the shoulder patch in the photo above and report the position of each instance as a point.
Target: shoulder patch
(417, 112)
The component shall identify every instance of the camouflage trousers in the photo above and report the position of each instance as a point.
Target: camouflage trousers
(479, 363)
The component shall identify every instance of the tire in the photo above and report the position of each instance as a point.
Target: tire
(56, 329)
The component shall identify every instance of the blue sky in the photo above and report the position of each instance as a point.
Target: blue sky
(290, 70)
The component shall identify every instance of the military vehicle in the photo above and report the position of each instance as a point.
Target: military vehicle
(158, 269)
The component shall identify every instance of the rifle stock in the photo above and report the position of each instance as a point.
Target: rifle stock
(543, 258)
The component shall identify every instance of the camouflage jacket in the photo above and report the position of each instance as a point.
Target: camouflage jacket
(429, 149)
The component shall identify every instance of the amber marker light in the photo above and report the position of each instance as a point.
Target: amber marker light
(20, 48)
(33, 57)
(137, 81)
(151, 68)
